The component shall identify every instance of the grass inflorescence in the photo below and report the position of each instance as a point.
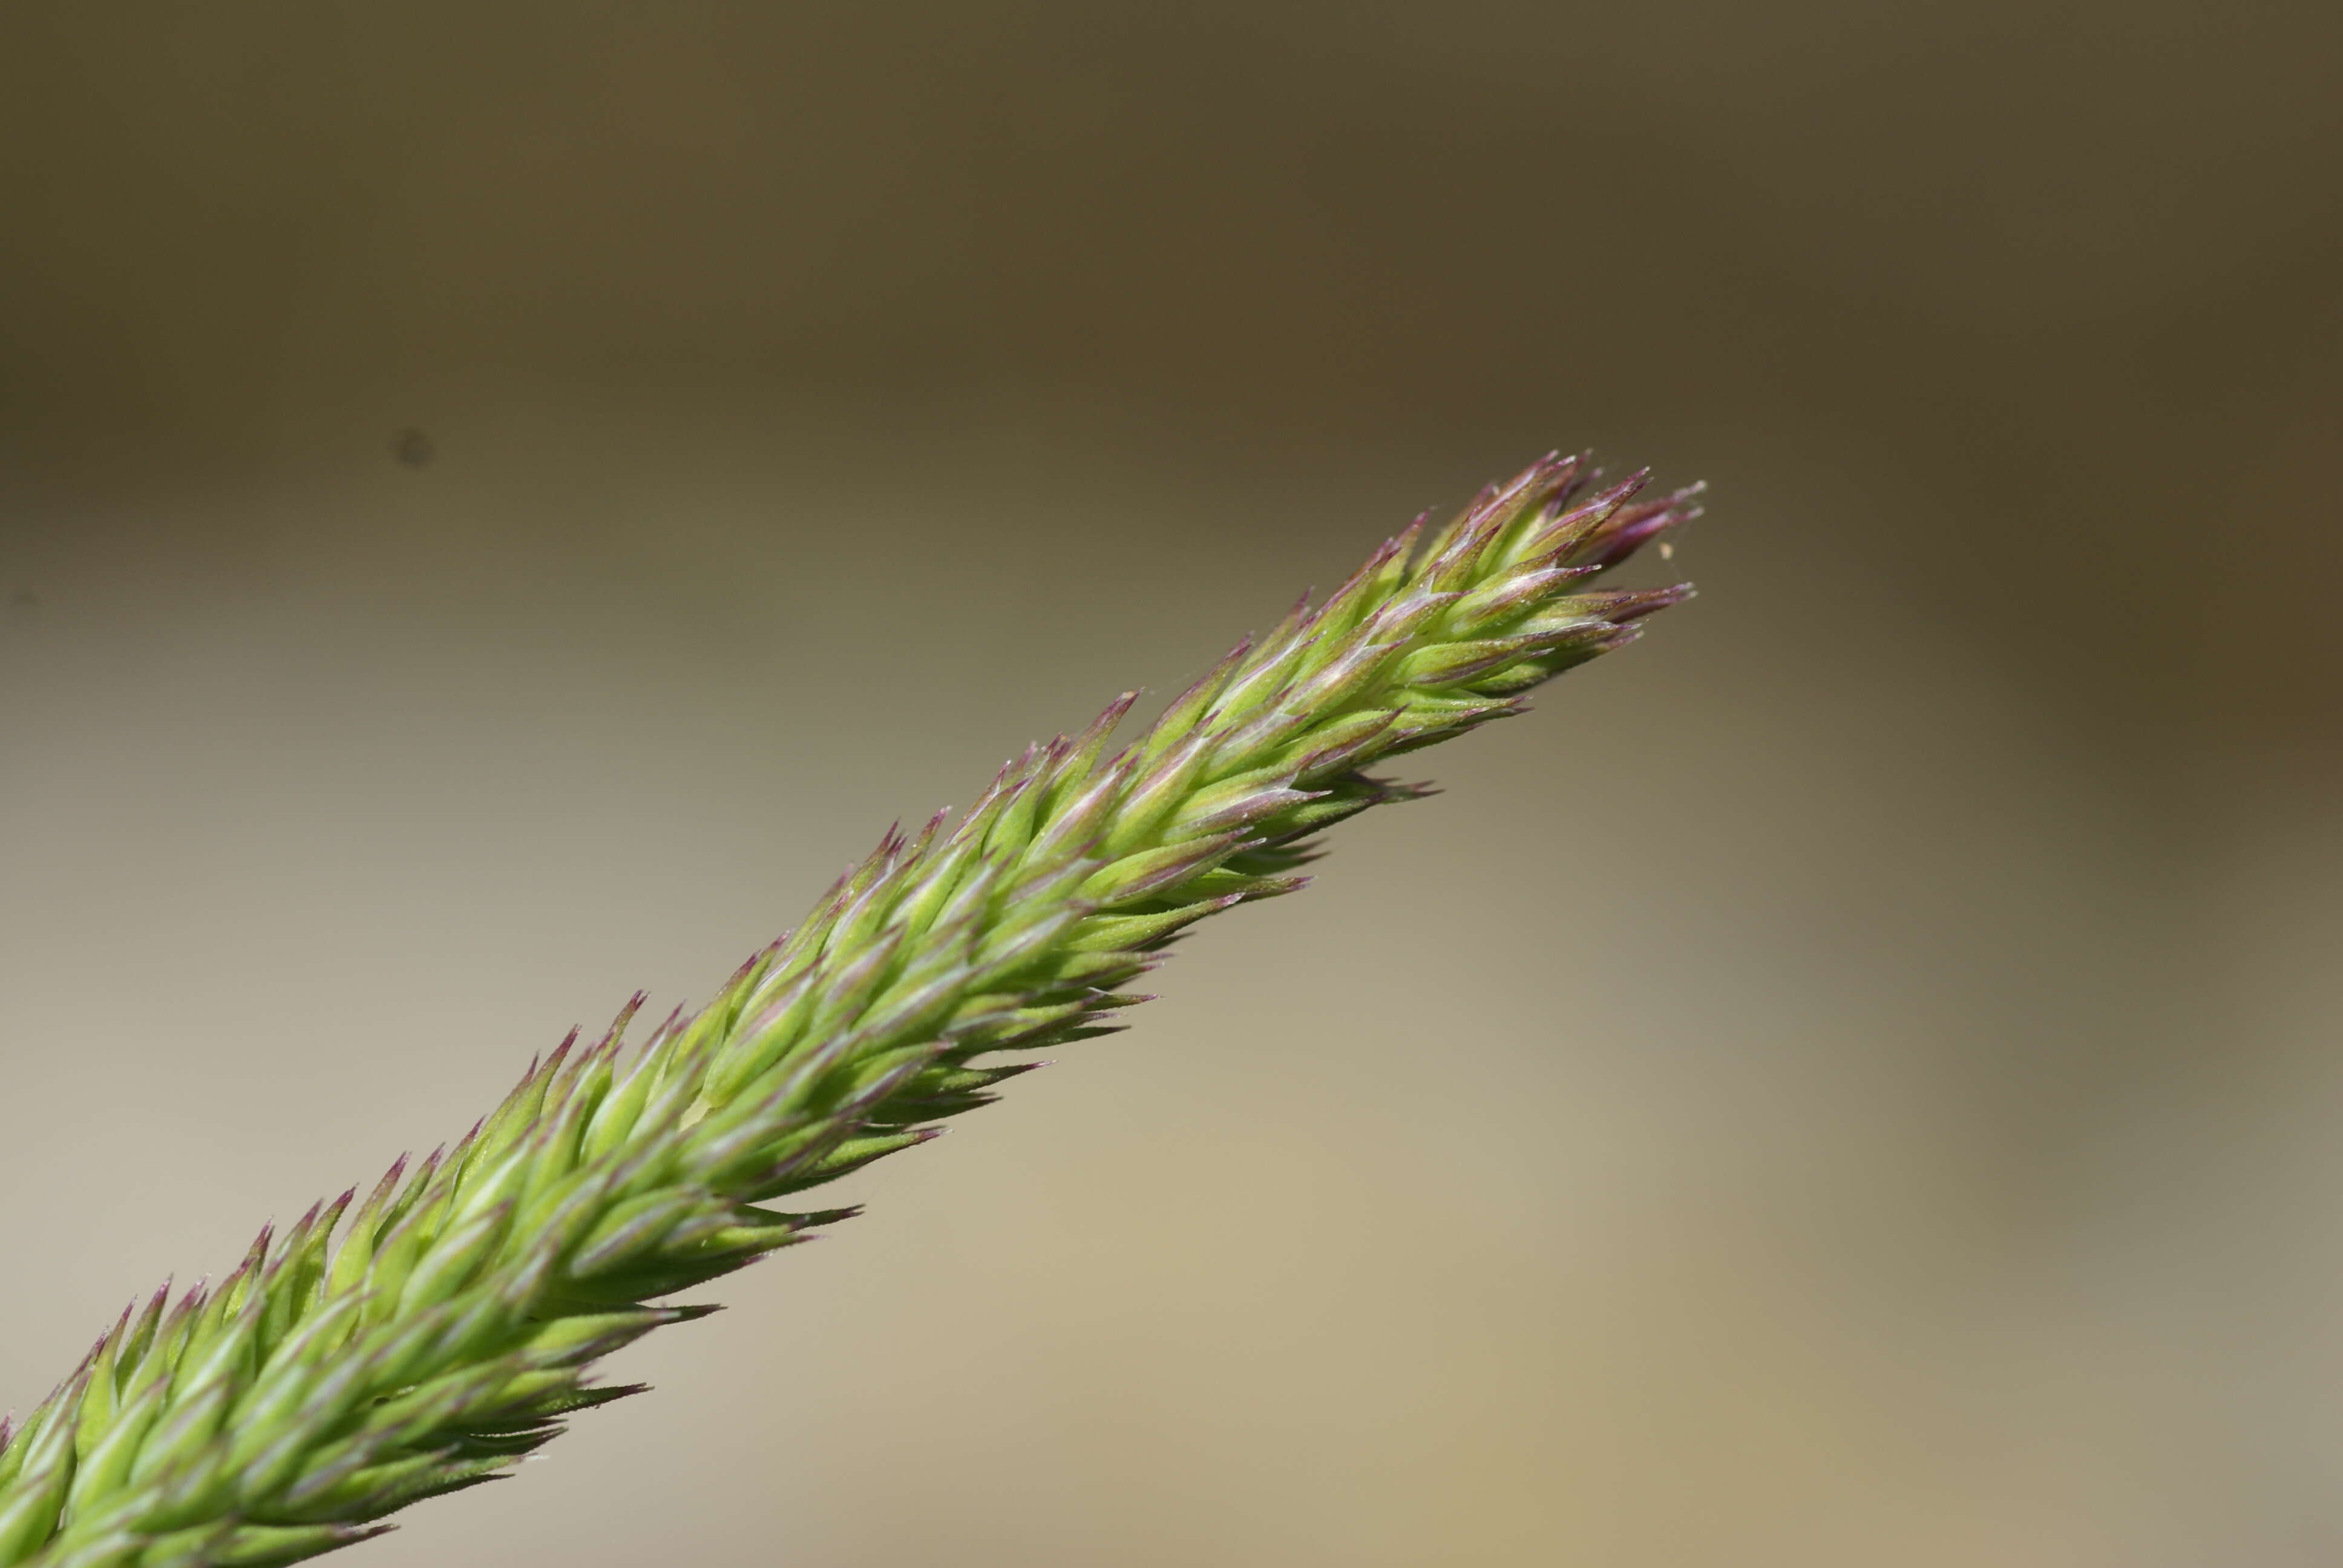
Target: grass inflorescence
(425, 1338)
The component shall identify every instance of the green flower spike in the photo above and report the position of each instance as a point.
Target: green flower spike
(325, 1385)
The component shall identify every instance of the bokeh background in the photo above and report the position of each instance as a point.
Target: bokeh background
(499, 501)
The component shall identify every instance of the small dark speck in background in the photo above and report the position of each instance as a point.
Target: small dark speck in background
(23, 601)
(412, 448)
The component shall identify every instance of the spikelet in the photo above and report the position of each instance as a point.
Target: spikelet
(455, 1322)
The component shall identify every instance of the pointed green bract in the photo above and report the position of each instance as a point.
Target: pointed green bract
(328, 1384)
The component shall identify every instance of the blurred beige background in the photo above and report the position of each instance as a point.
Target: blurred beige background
(1850, 1082)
